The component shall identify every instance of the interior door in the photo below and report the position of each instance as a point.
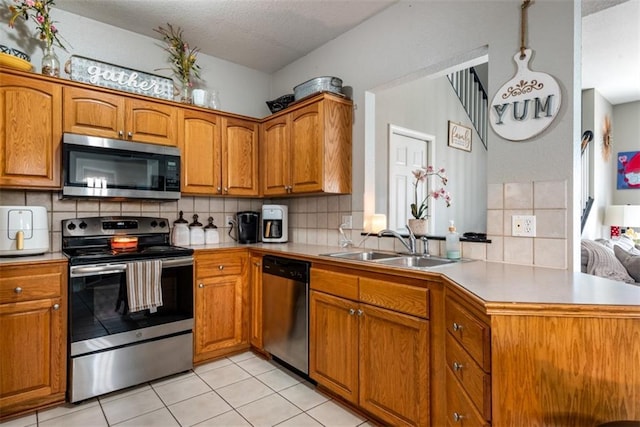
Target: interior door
(408, 150)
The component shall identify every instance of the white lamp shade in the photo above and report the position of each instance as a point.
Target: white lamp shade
(623, 215)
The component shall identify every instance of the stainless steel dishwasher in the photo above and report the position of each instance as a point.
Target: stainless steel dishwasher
(285, 310)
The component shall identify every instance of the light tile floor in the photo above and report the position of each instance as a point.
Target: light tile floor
(242, 390)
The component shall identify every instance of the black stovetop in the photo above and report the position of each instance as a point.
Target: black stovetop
(93, 255)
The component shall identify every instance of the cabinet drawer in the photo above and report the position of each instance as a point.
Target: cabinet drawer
(215, 265)
(395, 296)
(474, 380)
(37, 283)
(460, 410)
(471, 333)
(331, 282)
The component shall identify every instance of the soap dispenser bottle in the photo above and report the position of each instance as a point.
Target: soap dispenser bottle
(453, 242)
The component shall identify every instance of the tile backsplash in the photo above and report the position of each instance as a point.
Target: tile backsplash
(315, 219)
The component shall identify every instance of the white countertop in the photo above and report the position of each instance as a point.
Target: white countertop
(494, 283)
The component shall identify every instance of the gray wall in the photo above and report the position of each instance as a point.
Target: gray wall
(424, 37)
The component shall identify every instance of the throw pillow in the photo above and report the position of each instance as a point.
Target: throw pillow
(603, 262)
(626, 243)
(631, 262)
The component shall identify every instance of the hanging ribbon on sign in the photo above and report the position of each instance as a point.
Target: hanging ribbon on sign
(528, 103)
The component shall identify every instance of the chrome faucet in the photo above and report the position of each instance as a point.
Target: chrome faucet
(344, 241)
(411, 245)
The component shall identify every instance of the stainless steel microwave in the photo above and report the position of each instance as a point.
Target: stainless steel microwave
(97, 167)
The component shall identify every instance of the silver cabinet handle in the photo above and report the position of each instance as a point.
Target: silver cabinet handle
(221, 267)
(219, 189)
(457, 326)
(226, 190)
(201, 285)
(56, 307)
(257, 264)
(18, 290)
(360, 312)
(130, 134)
(120, 133)
(457, 417)
(457, 366)
(352, 312)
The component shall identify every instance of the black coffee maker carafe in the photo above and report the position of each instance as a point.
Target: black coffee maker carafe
(248, 227)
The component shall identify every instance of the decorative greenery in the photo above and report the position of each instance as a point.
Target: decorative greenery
(38, 10)
(419, 211)
(183, 59)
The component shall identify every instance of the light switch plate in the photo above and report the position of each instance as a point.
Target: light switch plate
(523, 225)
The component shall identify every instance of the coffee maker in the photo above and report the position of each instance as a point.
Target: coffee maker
(248, 223)
(275, 224)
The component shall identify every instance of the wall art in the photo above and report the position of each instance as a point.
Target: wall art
(628, 176)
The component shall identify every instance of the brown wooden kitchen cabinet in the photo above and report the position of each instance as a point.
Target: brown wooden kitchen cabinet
(201, 148)
(221, 303)
(219, 154)
(468, 358)
(369, 343)
(108, 115)
(256, 302)
(30, 120)
(33, 333)
(307, 148)
(239, 157)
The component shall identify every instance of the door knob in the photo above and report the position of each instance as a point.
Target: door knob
(56, 307)
(18, 290)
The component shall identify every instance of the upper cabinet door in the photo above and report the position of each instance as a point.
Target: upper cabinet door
(239, 157)
(151, 122)
(307, 140)
(93, 113)
(201, 153)
(30, 133)
(275, 156)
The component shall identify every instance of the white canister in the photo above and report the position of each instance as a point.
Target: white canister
(180, 232)
(211, 235)
(196, 232)
(200, 97)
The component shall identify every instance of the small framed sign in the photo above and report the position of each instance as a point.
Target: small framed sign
(459, 136)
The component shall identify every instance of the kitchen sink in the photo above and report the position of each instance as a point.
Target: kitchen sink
(416, 261)
(364, 256)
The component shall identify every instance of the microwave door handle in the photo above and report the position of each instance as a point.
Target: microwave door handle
(96, 270)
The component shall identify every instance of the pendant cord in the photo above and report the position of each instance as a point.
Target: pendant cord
(523, 26)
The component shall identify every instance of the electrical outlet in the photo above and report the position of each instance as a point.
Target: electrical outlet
(347, 222)
(523, 225)
(228, 219)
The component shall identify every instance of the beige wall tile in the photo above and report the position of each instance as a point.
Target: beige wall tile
(495, 196)
(550, 253)
(110, 208)
(150, 208)
(495, 249)
(13, 198)
(345, 203)
(474, 250)
(244, 205)
(201, 206)
(216, 204)
(63, 205)
(551, 223)
(518, 195)
(495, 221)
(333, 203)
(133, 206)
(550, 194)
(39, 198)
(518, 250)
(322, 204)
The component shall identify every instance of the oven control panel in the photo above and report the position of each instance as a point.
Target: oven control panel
(107, 226)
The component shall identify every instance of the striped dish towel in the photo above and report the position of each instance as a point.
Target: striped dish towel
(144, 288)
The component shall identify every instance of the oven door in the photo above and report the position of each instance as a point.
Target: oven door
(99, 318)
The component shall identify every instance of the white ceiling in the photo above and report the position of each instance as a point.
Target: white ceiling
(266, 35)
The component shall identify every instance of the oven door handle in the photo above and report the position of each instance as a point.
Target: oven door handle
(95, 270)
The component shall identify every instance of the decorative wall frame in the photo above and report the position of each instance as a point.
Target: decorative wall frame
(459, 136)
(628, 173)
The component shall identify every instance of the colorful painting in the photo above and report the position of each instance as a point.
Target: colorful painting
(628, 175)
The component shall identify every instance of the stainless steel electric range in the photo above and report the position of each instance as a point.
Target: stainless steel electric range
(110, 346)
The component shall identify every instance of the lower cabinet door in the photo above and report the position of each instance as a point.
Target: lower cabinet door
(32, 354)
(219, 323)
(394, 366)
(333, 344)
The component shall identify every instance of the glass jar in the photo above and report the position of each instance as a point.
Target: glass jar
(50, 62)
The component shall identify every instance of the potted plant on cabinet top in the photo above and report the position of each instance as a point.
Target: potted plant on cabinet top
(420, 211)
(39, 12)
(182, 58)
